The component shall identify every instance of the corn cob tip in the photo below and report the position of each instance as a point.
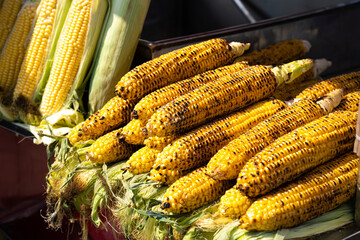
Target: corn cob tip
(288, 72)
(320, 65)
(27, 110)
(307, 45)
(238, 48)
(331, 101)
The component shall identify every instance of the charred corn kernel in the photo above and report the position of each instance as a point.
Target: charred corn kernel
(298, 151)
(14, 49)
(234, 204)
(193, 191)
(148, 105)
(133, 132)
(350, 102)
(313, 194)
(110, 147)
(277, 53)
(195, 148)
(34, 60)
(177, 65)
(8, 15)
(67, 57)
(142, 160)
(115, 113)
(220, 97)
(228, 161)
(348, 82)
(159, 142)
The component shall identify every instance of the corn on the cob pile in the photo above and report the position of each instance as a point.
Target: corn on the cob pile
(350, 102)
(8, 15)
(177, 65)
(110, 147)
(228, 161)
(277, 53)
(142, 160)
(221, 96)
(115, 113)
(313, 194)
(298, 151)
(193, 191)
(233, 204)
(348, 82)
(14, 49)
(195, 148)
(34, 59)
(148, 105)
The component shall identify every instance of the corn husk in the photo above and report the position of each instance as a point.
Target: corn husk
(117, 48)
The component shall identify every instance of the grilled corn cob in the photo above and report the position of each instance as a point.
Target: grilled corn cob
(196, 147)
(8, 15)
(14, 49)
(115, 113)
(193, 191)
(177, 65)
(313, 194)
(142, 160)
(350, 102)
(34, 59)
(277, 53)
(148, 105)
(109, 148)
(348, 82)
(298, 151)
(234, 204)
(220, 97)
(228, 161)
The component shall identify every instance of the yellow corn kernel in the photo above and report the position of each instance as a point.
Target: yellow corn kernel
(8, 15)
(133, 132)
(321, 190)
(67, 57)
(297, 152)
(195, 148)
(110, 147)
(234, 204)
(142, 160)
(115, 113)
(159, 142)
(350, 102)
(177, 65)
(14, 49)
(193, 191)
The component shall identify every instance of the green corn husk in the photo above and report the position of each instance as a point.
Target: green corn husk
(117, 48)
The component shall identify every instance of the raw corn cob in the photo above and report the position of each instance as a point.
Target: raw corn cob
(350, 102)
(192, 191)
(195, 148)
(14, 49)
(222, 96)
(177, 65)
(110, 147)
(8, 15)
(148, 105)
(233, 204)
(228, 161)
(313, 194)
(142, 160)
(297, 152)
(277, 53)
(115, 113)
(348, 82)
(73, 54)
(34, 59)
